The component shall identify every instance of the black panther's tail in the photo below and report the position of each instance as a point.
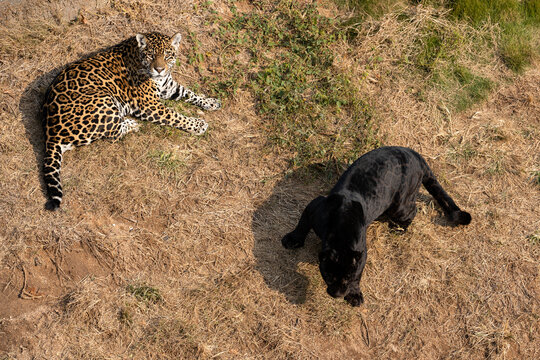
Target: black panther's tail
(456, 215)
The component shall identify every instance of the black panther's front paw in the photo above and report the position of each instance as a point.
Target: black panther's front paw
(290, 241)
(355, 299)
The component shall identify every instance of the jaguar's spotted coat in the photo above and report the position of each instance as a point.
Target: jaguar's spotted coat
(91, 98)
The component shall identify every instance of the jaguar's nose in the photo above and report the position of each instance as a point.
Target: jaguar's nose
(159, 69)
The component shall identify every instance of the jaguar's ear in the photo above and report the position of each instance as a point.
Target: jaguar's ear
(141, 40)
(176, 40)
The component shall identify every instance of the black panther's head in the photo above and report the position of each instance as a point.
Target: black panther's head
(338, 262)
(339, 270)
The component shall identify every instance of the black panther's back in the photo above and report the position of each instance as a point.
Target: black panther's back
(382, 179)
(384, 163)
(386, 181)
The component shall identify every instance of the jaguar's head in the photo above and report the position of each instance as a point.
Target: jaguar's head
(158, 52)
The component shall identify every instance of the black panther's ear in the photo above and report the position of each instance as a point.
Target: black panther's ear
(358, 210)
(328, 254)
(333, 201)
(356, 256)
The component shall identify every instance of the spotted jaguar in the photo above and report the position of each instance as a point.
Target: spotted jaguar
(105, 94)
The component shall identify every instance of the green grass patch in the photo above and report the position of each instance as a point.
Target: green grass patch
(284, 53)
(435, 45)
(516, 46)
(477, 11)
(434, 53)
(531, 10)
(362, 9)
(471, 90)
(145, 293)
(518, 21)
(375, 8)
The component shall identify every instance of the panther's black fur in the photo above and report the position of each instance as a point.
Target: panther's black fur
(383, 184)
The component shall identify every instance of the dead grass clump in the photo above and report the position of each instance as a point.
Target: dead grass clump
(172, 337)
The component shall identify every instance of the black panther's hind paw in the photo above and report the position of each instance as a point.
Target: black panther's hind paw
(461, 218)
(290, 241)
(398, 227)
(355, 299)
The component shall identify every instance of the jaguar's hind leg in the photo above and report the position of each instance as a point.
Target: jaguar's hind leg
(125, 126)
(106, 123)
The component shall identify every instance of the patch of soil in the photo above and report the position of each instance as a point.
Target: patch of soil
(34, 285)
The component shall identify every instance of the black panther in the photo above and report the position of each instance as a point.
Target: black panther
(381, 185)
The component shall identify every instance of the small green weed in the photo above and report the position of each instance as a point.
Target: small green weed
(464, 151)
(464, 88)
(125, 317)
(195, 56)
(145, 293)
(534, 239)
(494, 133)
(166, 160)
(496, 165)
(169, 336)
(536, 177)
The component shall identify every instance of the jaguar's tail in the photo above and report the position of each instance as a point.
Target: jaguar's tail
(454, 213)
(51, 175)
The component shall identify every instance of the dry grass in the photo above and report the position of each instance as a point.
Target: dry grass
(203, 230)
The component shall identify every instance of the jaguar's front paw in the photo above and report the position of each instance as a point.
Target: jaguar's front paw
(355, 299)
(211, 104)
(198, 127)
(202, 128)
(290, 241)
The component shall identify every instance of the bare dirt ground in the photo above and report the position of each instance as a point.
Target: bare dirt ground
(205, 232)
